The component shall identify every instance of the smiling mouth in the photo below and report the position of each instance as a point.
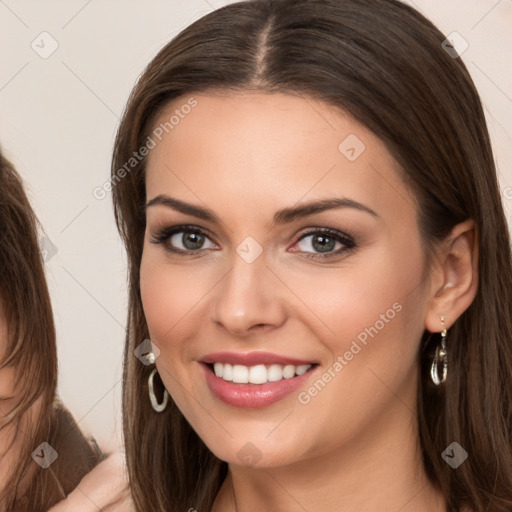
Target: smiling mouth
(257, 374)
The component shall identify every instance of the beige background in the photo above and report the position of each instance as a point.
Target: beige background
(57, 123)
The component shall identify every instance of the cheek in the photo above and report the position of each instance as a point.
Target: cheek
(358, 299)
(172, 299)
(374, 312)
(161, 298)
(376, 318)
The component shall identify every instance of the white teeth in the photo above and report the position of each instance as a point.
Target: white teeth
(227, 372)
(259, 374)
(240, 374)
(218, 369)
(289, 371)
(274, 372)
(301, 370)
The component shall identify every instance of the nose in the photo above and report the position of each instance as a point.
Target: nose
(247, 300)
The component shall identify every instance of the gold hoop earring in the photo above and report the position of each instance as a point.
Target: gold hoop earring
(440, 359)
(158, 407)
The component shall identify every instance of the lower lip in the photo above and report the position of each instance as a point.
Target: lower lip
(253, 396)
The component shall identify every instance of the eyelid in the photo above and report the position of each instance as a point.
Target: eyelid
(347, 240)
(335, 233)
(167, 232)
(162, 236)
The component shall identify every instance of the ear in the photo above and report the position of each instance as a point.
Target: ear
(454, 278)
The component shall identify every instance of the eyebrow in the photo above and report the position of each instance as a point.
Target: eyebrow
(283, 216)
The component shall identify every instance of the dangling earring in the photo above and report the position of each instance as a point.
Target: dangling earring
(440, 358)
(158, 407)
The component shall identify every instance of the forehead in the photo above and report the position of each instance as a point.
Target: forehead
(263, 148)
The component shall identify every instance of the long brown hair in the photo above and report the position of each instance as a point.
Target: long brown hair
(384, 63)
(30, 348)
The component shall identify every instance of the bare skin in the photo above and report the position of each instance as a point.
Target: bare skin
(354, 444)
(104, 488)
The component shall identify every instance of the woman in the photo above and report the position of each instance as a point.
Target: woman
(44, 454)
(319, 255)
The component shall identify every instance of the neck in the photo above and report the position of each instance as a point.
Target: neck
(379, 469)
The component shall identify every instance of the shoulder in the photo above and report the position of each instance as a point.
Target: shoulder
(70, 456)
(77, 455)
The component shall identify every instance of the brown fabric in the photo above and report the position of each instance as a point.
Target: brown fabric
(77, 456)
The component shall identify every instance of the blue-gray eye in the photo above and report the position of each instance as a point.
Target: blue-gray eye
(189, 240)
(325, 242)
(319, 243)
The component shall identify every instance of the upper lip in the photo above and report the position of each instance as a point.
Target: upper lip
(252, 358)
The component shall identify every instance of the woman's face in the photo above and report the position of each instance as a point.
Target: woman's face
(264, 284)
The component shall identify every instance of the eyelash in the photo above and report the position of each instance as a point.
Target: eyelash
(163, 236)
